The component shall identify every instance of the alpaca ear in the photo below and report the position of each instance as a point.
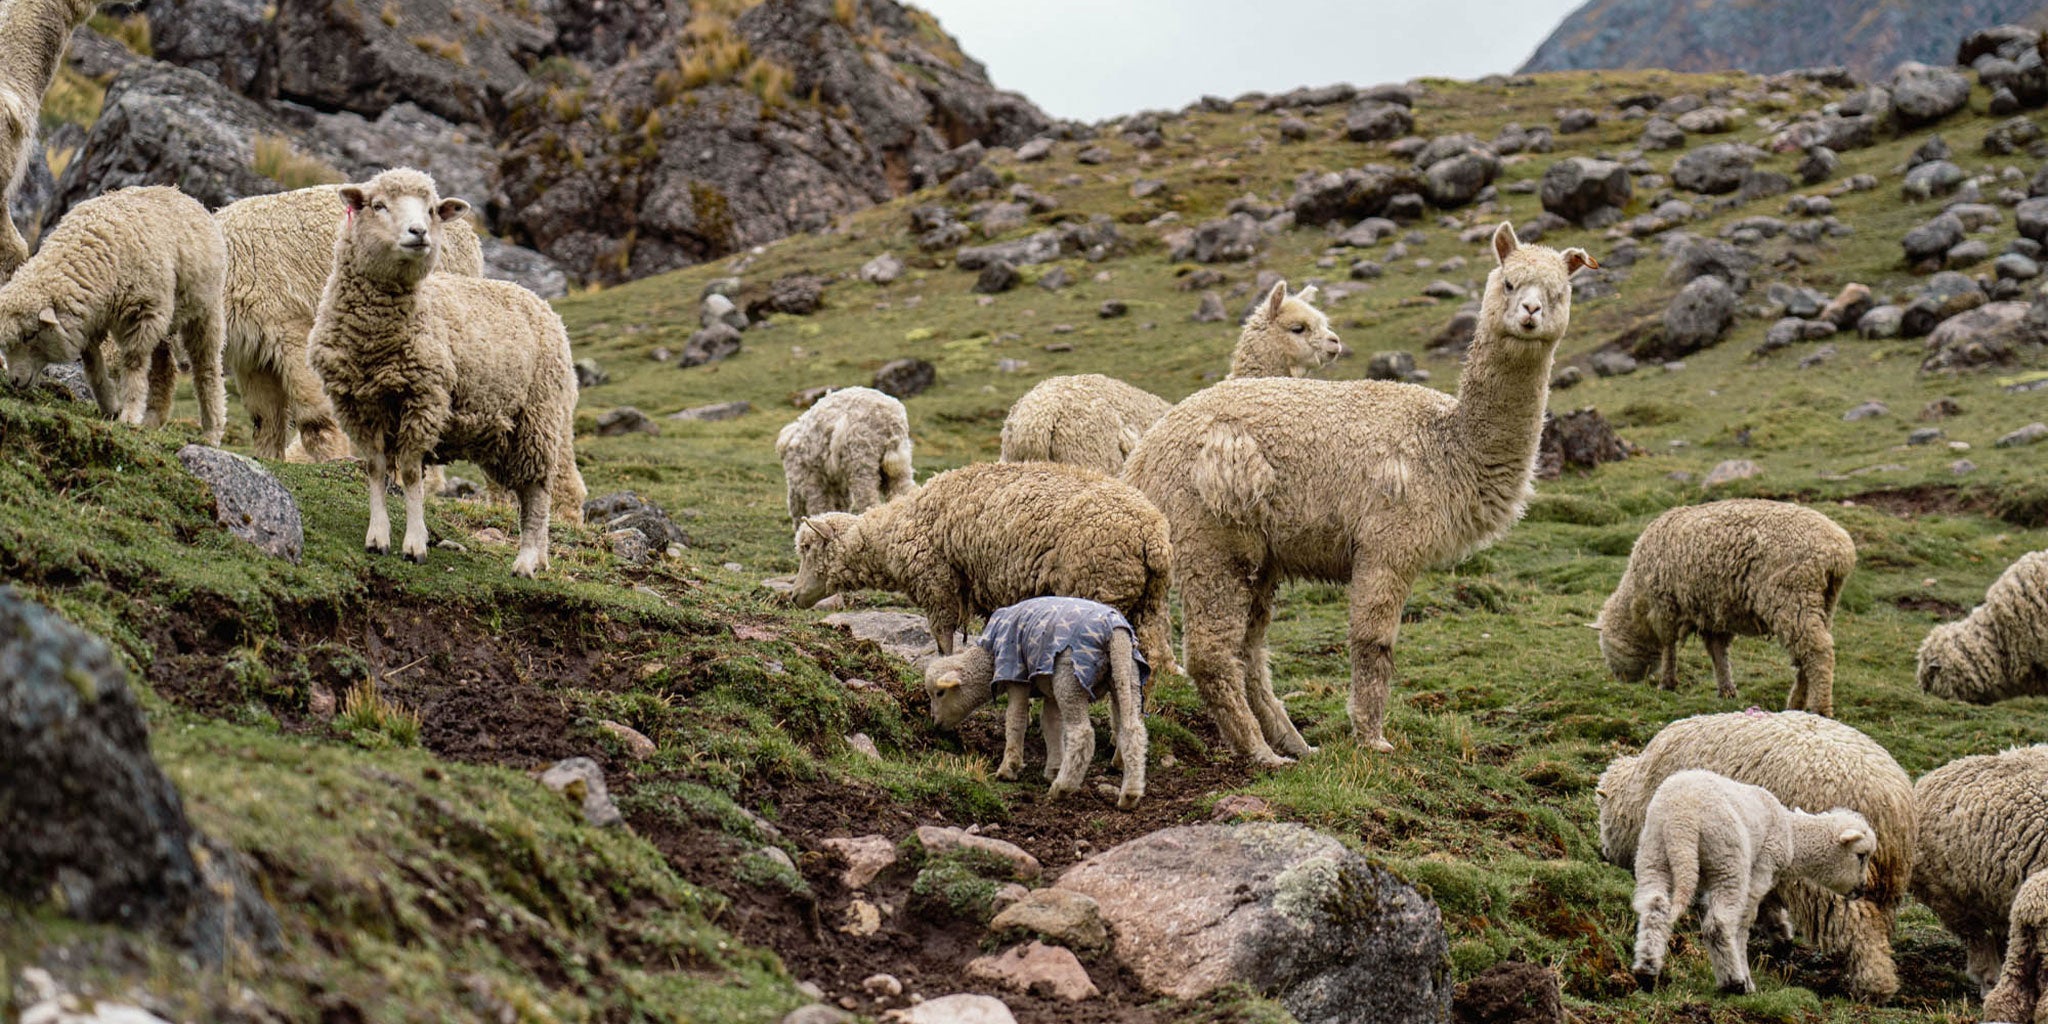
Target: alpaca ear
(1596, 625)
(1578, 259)
(353, 198)
(1849, 837)
(1307, 294)
(1504, 241)
(1274, 298)
(48, 317)
(453, 208)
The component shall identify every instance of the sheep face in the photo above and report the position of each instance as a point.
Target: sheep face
(1946, 668)
(1844, 866)
(31, 341)
(1627, 648)
(394, 225)
(820, 546)
(1289, 326)
(958, 684)
(1618, 782)
(1529, 295)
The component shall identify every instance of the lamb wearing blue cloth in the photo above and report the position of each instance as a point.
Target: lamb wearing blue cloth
(1055, 648)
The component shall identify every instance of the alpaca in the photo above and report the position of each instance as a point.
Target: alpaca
(32, 38)
(1368, 482)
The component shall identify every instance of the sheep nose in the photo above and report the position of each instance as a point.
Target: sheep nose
(416, 231)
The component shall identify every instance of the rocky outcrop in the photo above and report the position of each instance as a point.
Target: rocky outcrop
(248, 500)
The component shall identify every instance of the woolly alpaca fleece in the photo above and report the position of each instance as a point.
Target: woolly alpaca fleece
(1284, 337)
(2017, 998)
(1087, 420)
(1737, 839)
(280, 250)
(139, 267)
(32, 38)
(989, 535)
(1805, 761)
(848, 452)
(1725, 569)
(1365, 482)
(425, 366)
(2000, 649)
(1983, 830)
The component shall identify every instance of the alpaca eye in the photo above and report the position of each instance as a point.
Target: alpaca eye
(1297, 328)
(378, 206)
(1509, 285)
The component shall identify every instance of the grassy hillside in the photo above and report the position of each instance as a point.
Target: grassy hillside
(426, 883)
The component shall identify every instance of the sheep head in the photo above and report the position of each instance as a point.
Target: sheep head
(821, 545)
(393, 227)
(1620, 786)
(1843, 863)
(1624, 643)
(1529, 295)
(31, 339)
(1285, 337)
(959, 683)
(1948, 668)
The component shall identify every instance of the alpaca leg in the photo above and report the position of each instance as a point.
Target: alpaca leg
(163, 383)
(1376, 599)
(412, 480)
(1717, 649)
(1016, 722)
(378, 466)
(203, 346)
(1216, 611)
(1055, 737)
(1077, 744)
(1726, 939)
(533, 530)
(1278, 729)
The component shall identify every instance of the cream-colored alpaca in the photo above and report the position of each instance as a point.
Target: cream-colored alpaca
(1366, 482)
(32, 38)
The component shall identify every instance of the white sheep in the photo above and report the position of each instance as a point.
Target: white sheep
(139, 267)
(32, 38)
(1727, 843)
(1983, 829)
(433, 366)
(1804, 760)
(991, 534)
(1094, 421)
(1731, 568)
(1364, 482)
(2023, 980)
(1058, 649)
(2000, 649)
(848, 452)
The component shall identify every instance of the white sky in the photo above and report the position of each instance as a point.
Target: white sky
(1093, 59)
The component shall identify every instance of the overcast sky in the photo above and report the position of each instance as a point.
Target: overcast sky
(1092, 59)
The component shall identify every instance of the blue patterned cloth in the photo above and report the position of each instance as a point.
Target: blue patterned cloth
(1027, 637)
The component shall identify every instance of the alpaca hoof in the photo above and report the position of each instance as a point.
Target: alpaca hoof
(416, 557)
(1646, 980)
(377, 549)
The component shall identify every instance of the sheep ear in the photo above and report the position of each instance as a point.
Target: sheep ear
(1850, 837)
(353, 198)
(48, 316)
(1595, 625)
(453, 208)
(1274, 298)
(1578, 259)
(1504, 241)
(947, 681)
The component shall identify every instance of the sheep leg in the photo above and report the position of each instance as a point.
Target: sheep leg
(1813, 655)
(863, 489)
(533, 530)
(306, 403)
(1127, 704)
(378, 540)
(1055, 737)
(1016, 722)
(163, 382)
(1717, 649)
(1654, 917)
(1669, 676)
(1726, 938)
(131, 378)
(412, 480)
(1077, 746)
(1278, 729)
(1870, 976)
(1982, 957)
(1376, 598)
(103, 390)
(263, 395)
(204, 341)
(2018, 992)
(1216, 611)
(566, 490)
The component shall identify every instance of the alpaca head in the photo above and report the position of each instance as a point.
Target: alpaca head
(392, 229)
(821, 545)
(1285, 337)
(1529, 296)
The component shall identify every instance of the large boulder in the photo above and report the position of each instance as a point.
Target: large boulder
(1714, 169)
(461, 159)
(248, 500)
(1350, 195)
(1228, 240)
(1693, 256)
(1988, 335)
(1931, 241)
(1457, 180)
(1581, 439)
(536, 273)
(229, 41)
(344, 57)
(1585, 191)
(1944, 295)
(1922, 94)
(1278, 907)
(1698, 316)
(1377, 120)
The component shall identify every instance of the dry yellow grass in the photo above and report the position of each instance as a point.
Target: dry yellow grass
(277, 159)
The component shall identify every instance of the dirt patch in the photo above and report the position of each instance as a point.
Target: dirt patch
(1927, 499)
(1935, 605)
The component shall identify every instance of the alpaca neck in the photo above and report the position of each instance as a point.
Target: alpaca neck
(31, 41)
(1500, 403)
(1251, 358)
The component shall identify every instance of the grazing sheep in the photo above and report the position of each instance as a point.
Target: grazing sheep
(32, 38)
(427, 366)
(988, 535)
(1727, 843)
(1094, 421)
(280, 249)
(1725, 569)
(2000, 649)
(1368, 482)
(1055, 648)
(1805, 760)
(1983, 830)
(2017, 998)
(847, 453)
(139, 267)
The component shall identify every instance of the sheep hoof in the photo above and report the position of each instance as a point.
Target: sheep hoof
(1127, 801)
(1740, 987)
(1646, 979)
(1008, 774)
(1057, 791)
(1272, 760)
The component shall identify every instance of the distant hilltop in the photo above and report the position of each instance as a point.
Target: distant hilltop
(1766, 36)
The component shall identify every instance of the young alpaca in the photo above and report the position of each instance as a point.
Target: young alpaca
(432, 367)
(1737, 839)
(1053, 648)
(140, 267)
(1368, 482)
(32, 38)
(1284, 337)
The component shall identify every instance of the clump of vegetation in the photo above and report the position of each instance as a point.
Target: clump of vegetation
(447, 49)
(277, 159)
(131, 31)
(372, 720)
(72, 99)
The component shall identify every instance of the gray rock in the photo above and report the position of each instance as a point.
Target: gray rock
(1567, 377)
(881, 270)
(1367, 233)
(1731, 471)
(589, 374)
(2032, 433)
(902, 378)
(715, 412)
(2011, 136)
(1692, 257)
(1988, 335)
(1581, 439)
(1760, 184)
(997, 278)
(1612, 363)
(1395, 365)
(1035, 150)
(1375, 121)
(1962, 466)
(1055, 279)
(1350, 195)
(625, 510)
(900, 633)
(629, 546)
(2031, 217)
(1934, 178)
(1093, 155)
(462, 160)
(1660, 133)
(1931, 241)
(1866, 411)
(1923, 94)
(960, 1008)
(1707, 120)
(1967, 253)
(1881, 322)
(626, 420)
(1441, 289)
(1698, 317)
(1231, 239)
(710, 345)
(1058, 915)
(790, 295)
(248, 500)
(819, 1013)
(1572, 122)
(1944, 295)
(1278, 907)
(1796, 300)
(1455, 181)
(1714, 169)
(1818, 164)
(1579, 189)
(582, 781)
(1924, 435)
(67, 380)
(1211, 310)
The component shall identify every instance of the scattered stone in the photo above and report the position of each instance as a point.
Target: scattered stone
(637, 743)
(1112, 309)
(1962, 466)
(626, 420)
(582, 781)
(1924, 435)
(2011, 136)
(1931, 241)
(67, 380)
(717, 342)
(1038, 969)
(590, 375)
(866, 858)
(1881, 322)
(2014, 267)
(1586, 191)
(1231, 239)
(1922, 93)
(1444, 290)
(1293, 129)
(881, 270)
(818, 1013)
(1391, 366)
(1714, 169)
(1968, 253)
(1035, 150)
(864, 745)
(882, 985)
(1612, 363)
(1211, 310)
(1375, 121)
(1572, 122)
(1698, 317)
(2032, 433)
(1867, 410)
(1456, 335)
(1985, 336)
(1818, 164)
(954, 1009)
(997, 277)
(938, 839)
(1567, 377)
(900, 633)
(1068, 918)
(1581, 439)
(248, 500)
(630, 547)
(715, 412)
(1940, 409)
(862, 919)
(1093, 155)
(903, 378)
(1731, 471)
(1931, 179)
(625, 510)
(1660, 133)
(1847, 307)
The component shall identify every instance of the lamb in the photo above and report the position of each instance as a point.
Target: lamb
(1055, 648)
(140, 267)
(1983, 829)
(1368, 482)
(1094, 421)
(1998, 651)
(280, 249)
(2017, 998)
(32, 38)
(432, 366)
(988, 535)
(1731, 568)
(1737, 839)
(1805, 760)
(847, 453)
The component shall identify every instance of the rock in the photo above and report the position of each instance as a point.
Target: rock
(1111, 309)
(625, 510)
(1660, 133)
(1692, 256)
(1455, 181)
(1866, 411)
(954, 1009)
(2011, 136)
(1579, 189)
(1456, 335)
(1931, 241)
(1093, 155)
(1391, 366)
(1945, 295)
(589, 374)
(1818, 164)
(900, 633)
(997, 278)
(714, 412)
(1707, 120)
(1935, 148)
(67, 380)
(1055, 279)
(1278, 907)
(1730, 471)
(1934, 178)
(1211, 309)
(1698, 317)
(1293, 129)
(1572, 122)
(2031, 217)
(1441, 289)
(1922, 94)
(97, 832)
(1510, 992)
(1568, 377)
(881, 270)
(1035, 150)
(713, 344)
(1036, 968)
(903, 378)
(1962, 466)
(1714, 169)
(2032, 433)
(862, 919)
(866, 857)
(882, 985)
(863, 744)
(1984, 336)
(938, 839)
(637, 743)
(1940, 409)
(1350, 195)
(248, 500)
(626, 420)
(1232, 239)
(1968, 253)
(1581, 440)
(1795, 300)
(1376, 121)
(1924, 435)
(791, 295)
(1067, 918)
(630, 546)
(2014, 267)
(817, 1013)
(1612, 363)
(1762, 185)
(582, 781)
(1847, 307)
(1367, 233)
